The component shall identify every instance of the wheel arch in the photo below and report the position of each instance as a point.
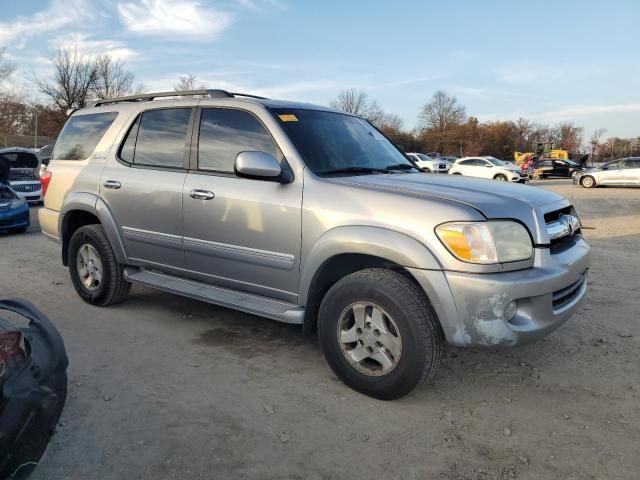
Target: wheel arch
(345, 250)
(82, 209)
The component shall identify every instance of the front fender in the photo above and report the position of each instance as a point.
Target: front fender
(90, 203)
(375, 241)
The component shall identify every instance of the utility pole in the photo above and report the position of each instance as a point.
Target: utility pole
(35, 133)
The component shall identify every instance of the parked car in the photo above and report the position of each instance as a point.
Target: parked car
(14, 211)
(308, 215)
(548, 167)
(24, 177)
(625, 171)
(430, 164)
(33, 386)
(488, 167)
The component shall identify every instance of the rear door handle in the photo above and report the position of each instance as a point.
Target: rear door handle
(112, 184)
(201, 194)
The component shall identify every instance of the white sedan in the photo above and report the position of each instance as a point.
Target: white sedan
(487, 167)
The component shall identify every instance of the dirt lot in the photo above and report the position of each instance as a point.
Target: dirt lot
(163, 387)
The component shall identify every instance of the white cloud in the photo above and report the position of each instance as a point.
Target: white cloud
(175, 18)
(576, 111)
(261, 4)
(488, 93)
(86, 46)
(60, 14)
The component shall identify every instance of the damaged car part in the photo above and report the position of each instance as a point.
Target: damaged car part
(33, 386)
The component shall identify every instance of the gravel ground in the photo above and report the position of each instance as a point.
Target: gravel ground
(164, 387)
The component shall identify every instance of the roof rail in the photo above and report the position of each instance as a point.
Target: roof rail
(142, 97)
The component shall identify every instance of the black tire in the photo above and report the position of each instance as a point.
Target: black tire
(113, 288)
(500, 177)
(427, 170)
(18, 230)
(422, 339)
(456, 173)
(588, 182)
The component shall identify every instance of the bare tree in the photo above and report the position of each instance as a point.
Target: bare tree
(569, 136)
(189, 82)
(357, 102)
(74, 78)
(112, 80)
(594, 142)
(6, 67)
(442, 116)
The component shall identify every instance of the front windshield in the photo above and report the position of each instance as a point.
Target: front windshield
(422, 156)
(495, 161)
(330, 141)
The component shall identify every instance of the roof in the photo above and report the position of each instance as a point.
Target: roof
(198, 96)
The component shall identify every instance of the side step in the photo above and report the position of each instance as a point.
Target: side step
(246, 302)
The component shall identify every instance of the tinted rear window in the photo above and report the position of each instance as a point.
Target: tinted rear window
(158, 138)
(81, 134)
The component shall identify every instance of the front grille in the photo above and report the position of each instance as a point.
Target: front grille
(26, 188)
(564, 297)
(562, 225)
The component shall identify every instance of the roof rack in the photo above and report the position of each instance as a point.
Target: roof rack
(143, 97)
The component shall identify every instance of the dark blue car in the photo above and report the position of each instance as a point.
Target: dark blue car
(14, 211)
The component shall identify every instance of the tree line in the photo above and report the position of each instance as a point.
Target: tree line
(443, 124)
(445, 128)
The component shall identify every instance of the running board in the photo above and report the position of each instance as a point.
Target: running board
(246, 302)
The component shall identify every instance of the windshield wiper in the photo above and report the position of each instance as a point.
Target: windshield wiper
(353, 170)
(401, 166)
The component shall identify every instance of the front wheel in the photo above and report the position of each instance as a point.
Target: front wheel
(379, 333)
(500, 177)
(587, 182)
(96, 275)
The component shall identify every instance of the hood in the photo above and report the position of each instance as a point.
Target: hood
(492, 199)
(23, 164)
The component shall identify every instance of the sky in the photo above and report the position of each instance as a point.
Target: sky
(549, 61)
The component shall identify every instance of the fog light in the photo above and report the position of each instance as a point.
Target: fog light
(510, 310)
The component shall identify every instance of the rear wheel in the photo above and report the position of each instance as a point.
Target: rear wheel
(587, 182)
(96, 275)
(379, 333)
(19, 230)
(500, 177)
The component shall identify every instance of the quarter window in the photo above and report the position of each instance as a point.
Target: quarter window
(158, 138)
(81, 135)
(224, 133)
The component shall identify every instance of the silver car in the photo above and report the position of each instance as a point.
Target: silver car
(307, 215)
(624, 171)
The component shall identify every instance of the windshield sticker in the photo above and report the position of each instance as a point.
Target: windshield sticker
(288, 117)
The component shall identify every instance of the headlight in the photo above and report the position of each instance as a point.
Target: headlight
(18, 203)
(486, 242)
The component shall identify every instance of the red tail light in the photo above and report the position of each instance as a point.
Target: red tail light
(10, 345)
(45, 179)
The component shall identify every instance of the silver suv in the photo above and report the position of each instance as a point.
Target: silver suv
(307, 215)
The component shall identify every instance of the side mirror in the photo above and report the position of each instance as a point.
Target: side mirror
(489, 166)
(259, 166)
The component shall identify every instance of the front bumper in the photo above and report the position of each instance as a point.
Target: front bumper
(471, 306)
(16, 218)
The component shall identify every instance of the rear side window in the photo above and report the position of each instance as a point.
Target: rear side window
(158, 138)
(224, 133)
(81, 134)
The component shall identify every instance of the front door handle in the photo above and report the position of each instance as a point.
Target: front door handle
(112, 184)
(201, 194)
